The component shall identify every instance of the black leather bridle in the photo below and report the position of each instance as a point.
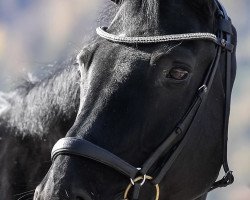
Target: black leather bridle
(178, 137)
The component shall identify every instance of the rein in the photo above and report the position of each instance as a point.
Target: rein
(179, 136)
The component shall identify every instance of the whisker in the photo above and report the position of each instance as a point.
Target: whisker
(66, 193)
(24, 193)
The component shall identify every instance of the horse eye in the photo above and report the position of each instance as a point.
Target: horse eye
(177, 74)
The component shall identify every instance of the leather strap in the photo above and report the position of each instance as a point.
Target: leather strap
(176, 136)
(225, 26)
(190, 117)
(86, 149)
(228, 178)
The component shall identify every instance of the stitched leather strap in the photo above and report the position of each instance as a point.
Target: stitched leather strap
(83, 148)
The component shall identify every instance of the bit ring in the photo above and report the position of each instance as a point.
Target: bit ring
(143, 178)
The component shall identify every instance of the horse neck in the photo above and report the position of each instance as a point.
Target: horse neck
(48, 106)
(32, 119)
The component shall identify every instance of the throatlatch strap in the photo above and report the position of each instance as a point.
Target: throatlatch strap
(228, 177)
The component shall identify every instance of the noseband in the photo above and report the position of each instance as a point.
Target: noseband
(179, 136)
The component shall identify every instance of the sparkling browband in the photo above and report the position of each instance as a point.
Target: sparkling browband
(101, 31)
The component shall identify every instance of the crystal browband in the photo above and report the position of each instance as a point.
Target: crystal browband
(101, 31)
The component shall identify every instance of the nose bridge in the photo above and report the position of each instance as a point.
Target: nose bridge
(114, 103)
(106, 73)
(98, 93)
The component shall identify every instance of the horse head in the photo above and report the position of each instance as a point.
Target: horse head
(134, 95)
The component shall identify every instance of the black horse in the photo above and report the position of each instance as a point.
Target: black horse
(132, 96)
(137, 93)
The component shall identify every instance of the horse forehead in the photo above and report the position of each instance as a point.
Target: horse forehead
(120, 59)
(117, 56)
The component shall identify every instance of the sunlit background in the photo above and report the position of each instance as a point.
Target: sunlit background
(34, 35)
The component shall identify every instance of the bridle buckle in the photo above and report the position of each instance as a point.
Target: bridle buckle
(143, 180)
(228, 178)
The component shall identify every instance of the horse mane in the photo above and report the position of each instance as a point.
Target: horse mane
(151, 9)
(149, 14)
(35, 107)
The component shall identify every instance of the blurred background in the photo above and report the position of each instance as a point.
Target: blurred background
(36, 35)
